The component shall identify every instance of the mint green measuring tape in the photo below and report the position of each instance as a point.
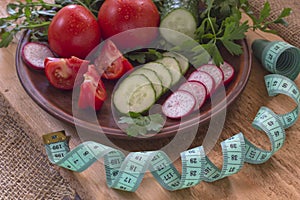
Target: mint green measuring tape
(126, 173)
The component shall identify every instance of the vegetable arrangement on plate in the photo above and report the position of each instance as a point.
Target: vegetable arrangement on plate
(65, 34)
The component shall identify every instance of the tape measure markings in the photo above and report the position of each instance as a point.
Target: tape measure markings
(289, 118)
(126, 173)
(272, 54)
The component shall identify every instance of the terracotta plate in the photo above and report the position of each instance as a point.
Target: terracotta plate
(59, 103)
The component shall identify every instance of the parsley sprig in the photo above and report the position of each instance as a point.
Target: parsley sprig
(220, 23)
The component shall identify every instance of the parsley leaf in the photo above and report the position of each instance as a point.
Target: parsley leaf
(141, 125)
(144, 56)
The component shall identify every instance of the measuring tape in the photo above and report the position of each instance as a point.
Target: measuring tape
(278, 57)
(126, 173)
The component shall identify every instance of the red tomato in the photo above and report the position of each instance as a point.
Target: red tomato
(92, 91)
(111, 61)
(116, 16)
(62, 72)
(74, 31)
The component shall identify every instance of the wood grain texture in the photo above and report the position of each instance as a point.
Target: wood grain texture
(279, 178)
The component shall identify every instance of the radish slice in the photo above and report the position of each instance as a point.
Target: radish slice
(179, 104)
(228, 72)
(205, 79)
(34, 54)
(198, 90)
(215, 72)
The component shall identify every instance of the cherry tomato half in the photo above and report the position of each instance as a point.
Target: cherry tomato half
(116, 16)
(74, 31)
(62, 72)
(92, 91)
(111, 61)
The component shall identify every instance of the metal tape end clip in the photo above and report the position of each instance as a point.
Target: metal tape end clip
(54, 137)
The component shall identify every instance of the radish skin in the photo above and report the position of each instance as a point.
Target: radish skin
(228, 72)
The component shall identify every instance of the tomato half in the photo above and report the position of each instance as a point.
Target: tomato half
(116, 16)
(74, 31)
(111, 61)
(92, 91)
(62, 72)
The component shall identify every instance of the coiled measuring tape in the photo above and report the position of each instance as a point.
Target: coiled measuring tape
(278, 57)
(126, 173)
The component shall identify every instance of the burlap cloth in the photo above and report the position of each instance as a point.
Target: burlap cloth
(25, 172)
(291, 33)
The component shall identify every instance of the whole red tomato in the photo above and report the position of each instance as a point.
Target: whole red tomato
(74, 31)
(116, 16)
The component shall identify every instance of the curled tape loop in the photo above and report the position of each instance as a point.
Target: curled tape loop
(126, 173)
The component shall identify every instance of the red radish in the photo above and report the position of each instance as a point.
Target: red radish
(34, 55)
(228, 72)
(205, 79)
(179, 104)
(215, 72)
(198, 90)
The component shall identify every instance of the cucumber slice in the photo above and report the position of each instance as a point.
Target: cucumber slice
(181, 16)
(173, 66)
(154, 79)
(163, 74)
(134, 94)
(183, 61)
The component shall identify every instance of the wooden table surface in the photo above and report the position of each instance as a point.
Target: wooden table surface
(278, 178)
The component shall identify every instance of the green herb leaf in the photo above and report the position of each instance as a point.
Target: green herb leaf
(138, 57)
(156, 123)
(6, 39)
(232, 47)
(265, 12)
(144, 56)
(134, 114)
(135, 130)
(126, 120)
(141, 125)
(213, 50)
(11, 8)
(262, 22)
(285, 13)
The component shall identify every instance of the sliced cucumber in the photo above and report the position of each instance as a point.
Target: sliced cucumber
(154, 79)
(181, 16)
(183, 61)
(163, 74)
(173, 66)
(134, 94)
